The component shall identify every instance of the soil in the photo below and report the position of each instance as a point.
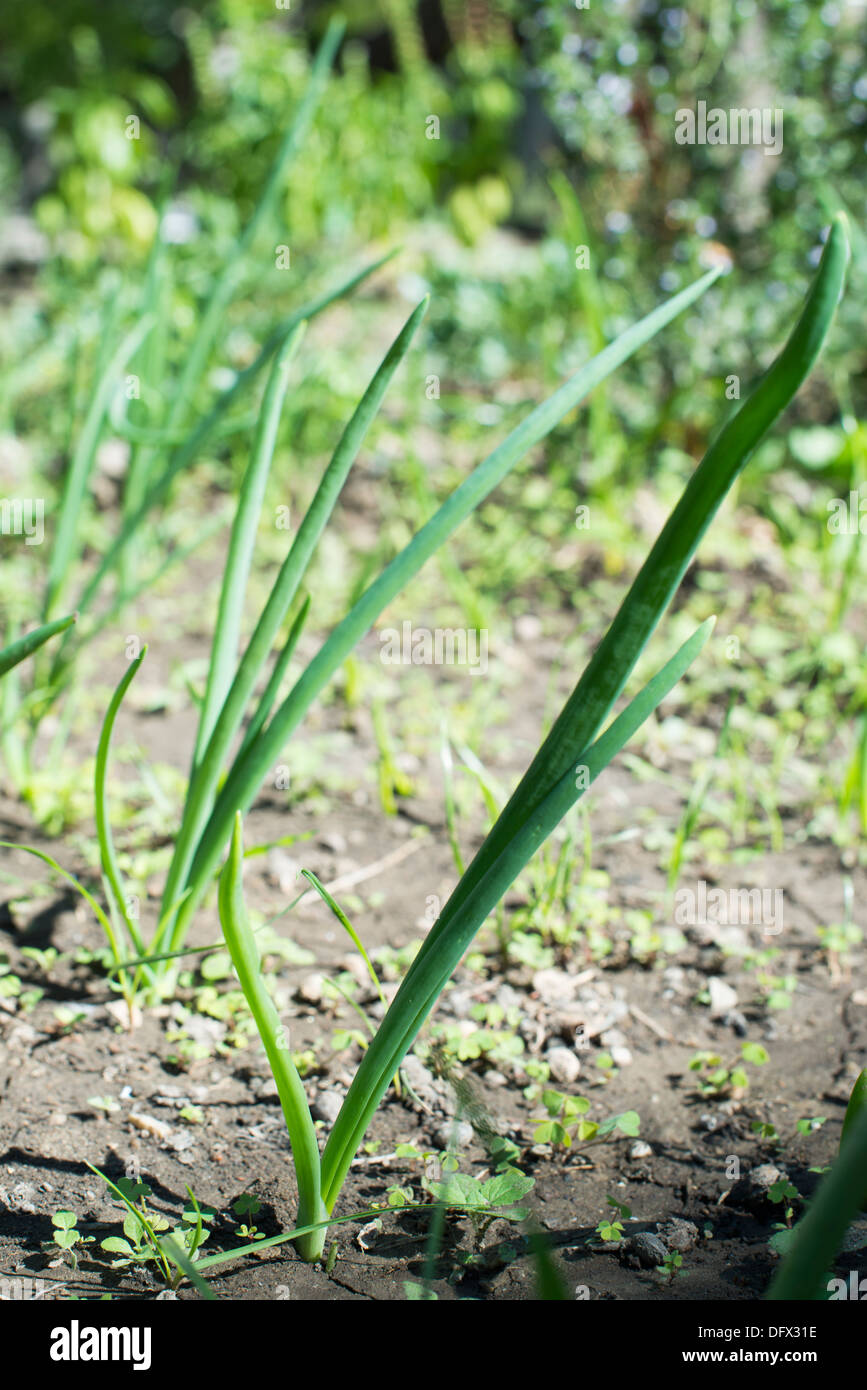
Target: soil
(691, 1149)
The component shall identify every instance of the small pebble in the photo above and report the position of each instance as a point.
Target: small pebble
(333, 840)
(565, 1066)
(527, 627)
(158, 1129)
(453, 1136)
(722, 997)
(678, 1235)
(327, 1106)
(644, 1250)
(311, 988)
(553, 985)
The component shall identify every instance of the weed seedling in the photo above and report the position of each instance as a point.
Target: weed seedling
(726, 1079)
(67, 1239)
(248, 1205)
(670, 1269)
(149, 1237)
(611, 1227)
(565, 1123)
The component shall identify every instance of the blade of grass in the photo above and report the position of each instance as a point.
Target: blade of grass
(67, 541)
(348, 928)
(225, 1256)
(105, 839)
(104, 921)
(464, 914)
(140, 1216)
(281, 665)
(23, 647)
(660, 575)
(244, 951)
(229, 277)
(205, 778)
(187, 1267)
(239, 558)
(247, 771)
(182, 457)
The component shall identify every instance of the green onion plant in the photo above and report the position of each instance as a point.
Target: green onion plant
(223, 784)
(163, 446)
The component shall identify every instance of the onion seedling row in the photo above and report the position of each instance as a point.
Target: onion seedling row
(576, 750)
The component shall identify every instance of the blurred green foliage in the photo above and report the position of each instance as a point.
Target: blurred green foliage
(492, 138)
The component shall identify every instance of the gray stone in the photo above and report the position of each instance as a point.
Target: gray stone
(311, 988)
(678, 1235)
(565, 1066)
(333, 840)
(554, 986)
(454, 1136)
(722, 997)
(327, 1106)
(644, 1251)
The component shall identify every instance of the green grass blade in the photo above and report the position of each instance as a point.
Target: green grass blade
(464, 914)
(205, 779)
(67, 541)
(101, 917)
(135, 1211)
(151, 959)
(187, 1267)
(105, 839)
(244, 951)
(662, 571)
(229, 277)
(23, 647)
(247, 771)
(281, 665)
(226, 1256)
(348, 928)
(182, 457)
(239, 558)
(550, 1284)
(857, 1106)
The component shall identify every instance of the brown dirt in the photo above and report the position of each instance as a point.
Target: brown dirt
(48, 1128)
